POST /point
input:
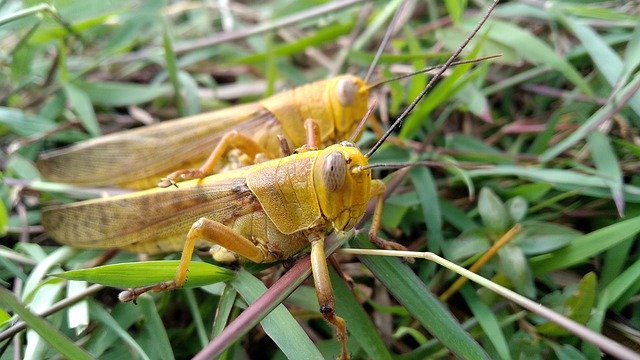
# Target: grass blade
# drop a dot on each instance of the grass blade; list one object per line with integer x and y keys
{"x": 61, "y": 343}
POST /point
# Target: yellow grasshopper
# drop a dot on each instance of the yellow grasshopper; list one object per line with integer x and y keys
{"x": 264, "y": 213}
{"x": 138, "y": 158}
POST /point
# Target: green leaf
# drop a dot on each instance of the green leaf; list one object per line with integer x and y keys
{"x": 172, "y": 69}
{"x": 600, "y": 116}
{"x": 487, "y": 320}
{"x": 539, "y": 237}
{"x": 577, "y": 307}
{"x": 534, "y": 50}
{"x": 428, "y": 193}
{"x": 50, "y": 334}
{"x": 81, "y": 103}
{"x": 113, "y": 93}
{"x": 514, "y": 266}
{"x": 608, "y": 167}
{"x": 517, "y": 208}
{"x": 138, "y": 274}
{"x": 411, "y": 292}
{"x": 492, "y": 211}
{"x": 4, "y": 219}
{"x": 358, "y": 322}
{"x": 603, "y": 56}
{"x": 586, "y": 246}
{"x": 153, "y": 326}
{"x": 281, "y": 327}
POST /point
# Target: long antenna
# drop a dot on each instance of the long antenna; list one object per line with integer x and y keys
{"x": 431, "y": 83}
{"x": 385, "y": 41}
{"x": 430, "y": 68}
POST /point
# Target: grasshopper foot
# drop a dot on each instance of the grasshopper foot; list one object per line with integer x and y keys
{"x": 180, "y": 175}
{"x": 132, "y": 295}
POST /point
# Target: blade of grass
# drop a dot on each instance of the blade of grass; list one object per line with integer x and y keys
{"x": 101, "y": 315}
{"x": 487, "y": 321}
{"x": 586, "y": 246}
{"x": 280, "y": 325}
{"x": 197, "y": 318}
{"x": 61, "y": 343}
{"x": 608, "y": 166}
{"x": 227, "y": 299}
{"x": 410, "y": 291}
{"x": 359, "y": 324}
{"x": 153, "y": 325}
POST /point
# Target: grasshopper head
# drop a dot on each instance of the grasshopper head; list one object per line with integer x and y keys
{"x": 348, "y": 98}
{"x": 342, "y": 193}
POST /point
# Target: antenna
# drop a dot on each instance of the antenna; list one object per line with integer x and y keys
{"x": 431, "y": 83}
{"x": 430, "y": 68}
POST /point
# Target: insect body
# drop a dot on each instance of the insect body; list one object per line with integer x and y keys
{"x": 263, "y": 213}
{"x": 139, "y": 158}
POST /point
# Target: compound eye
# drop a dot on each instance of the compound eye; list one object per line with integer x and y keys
{"x": 347, "y": 90}
{"x": 334, "y": 171}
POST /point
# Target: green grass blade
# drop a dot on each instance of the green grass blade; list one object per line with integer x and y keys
{"x": 280, "y": 325}
{"x": 153, "y": 325}
{"x": 138, "y": 274}
{"x": 61, "y": 343}
{"x": 487, "y": 321}
{"x": 608, "y": 166}
{"x": 411, "y": 292}
{"x": 227, "y": 299}
{"x": 586, "y": 246}
{"x": 101, "y": 315}
{"x": 426, "y": 189}
{"x": 115, "y": 93}
{"x": 360, "y": 327}
{"x": 81, "y": 103}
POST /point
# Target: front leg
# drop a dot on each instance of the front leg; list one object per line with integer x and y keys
{"x": 324, "y": 291}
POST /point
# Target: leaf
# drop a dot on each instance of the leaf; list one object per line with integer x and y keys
{"x": 586, "y": 246}
{"x": 492, "y": 211}
{"x": 50, "y": 334}
{"x": 539, "y": 237}
{"x": 577, "y": 307}
{"x": 281, "y": 327}
{"x": 517, "y": 208}
{"x": 428, "y": 193}
{"x": 514, "y": 266}
{"x": 138, "y": 274}
{"x": 603, "y": 56}
{"x": 81, "y": 103}
{"x": 608, "y": 167}
{"x": 112, "y": 93}
{"x": 533, "y": 49}
{"x": 358, "y": 322}
{"x": 488, "y": 321}
{"x": 410, "y": 291}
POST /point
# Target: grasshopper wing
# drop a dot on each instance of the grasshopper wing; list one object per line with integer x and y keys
{"x": 139, "y": 158}
{"x": 151, "y": 221}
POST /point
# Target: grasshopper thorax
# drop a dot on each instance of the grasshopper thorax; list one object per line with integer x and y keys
{"x": 343, "y": 193}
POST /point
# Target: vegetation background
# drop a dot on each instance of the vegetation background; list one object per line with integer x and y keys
{"x": 554, "y": 121}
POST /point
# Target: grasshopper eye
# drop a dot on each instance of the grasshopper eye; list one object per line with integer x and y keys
{"x": 347, "y": 90}
{"x": 334, "y": 171}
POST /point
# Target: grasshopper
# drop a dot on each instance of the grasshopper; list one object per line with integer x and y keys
{"x": 138, "y": 158}
{"x": 264, "y": 213}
